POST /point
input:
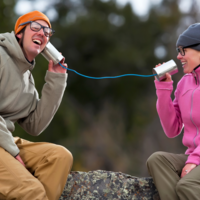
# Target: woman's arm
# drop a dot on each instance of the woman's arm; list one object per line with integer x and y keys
{"x": 168, "y": 110}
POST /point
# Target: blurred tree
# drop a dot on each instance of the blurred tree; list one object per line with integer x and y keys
{"x": 7, "y": 11}
{"x": 109, "y": 124}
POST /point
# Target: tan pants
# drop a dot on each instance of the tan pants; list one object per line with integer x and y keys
{"x": 166, "y": 168}
{"x": 45, "y": 175}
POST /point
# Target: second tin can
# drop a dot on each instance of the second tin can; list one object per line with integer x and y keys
{"x": 168, "y": 67}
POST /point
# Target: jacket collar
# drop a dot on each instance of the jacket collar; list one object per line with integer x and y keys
{"x": 197, "y": 70}
{"x": 197, "y": 67}
{"x": 11, "y": 45}
{"x": 196, "y": 74}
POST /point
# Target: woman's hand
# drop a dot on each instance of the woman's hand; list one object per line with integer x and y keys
{"x": 188, "y": 167}
{"x": 168, "y": 76}
{"x": 57, "y": 68}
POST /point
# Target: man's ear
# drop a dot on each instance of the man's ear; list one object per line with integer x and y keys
{"x": 19, "y": 35}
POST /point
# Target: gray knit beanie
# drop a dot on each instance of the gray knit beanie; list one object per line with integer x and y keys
{"x": 190, "y": 36}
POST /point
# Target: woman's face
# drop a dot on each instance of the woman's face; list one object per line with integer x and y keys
{"x": 190, "y": 60}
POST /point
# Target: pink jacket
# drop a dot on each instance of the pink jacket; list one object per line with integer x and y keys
{"x": 184, "y": 111}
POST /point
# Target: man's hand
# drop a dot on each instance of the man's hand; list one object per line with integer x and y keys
{"x": 20, "y": 160}
{"x": 188, "y": 167}
{"x": 57, "y": 68}
{"x": 168, "y": 76}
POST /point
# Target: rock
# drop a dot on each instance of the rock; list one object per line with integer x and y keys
{"x": 100, "y": 185}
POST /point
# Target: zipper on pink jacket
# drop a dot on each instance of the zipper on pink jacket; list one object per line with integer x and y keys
{"x": 195, "y": 76}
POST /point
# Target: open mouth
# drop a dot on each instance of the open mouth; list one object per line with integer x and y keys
{"x": 183, "y": 63}
{"x": 38, "y": 42}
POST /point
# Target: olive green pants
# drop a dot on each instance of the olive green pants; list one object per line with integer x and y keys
{"x": 45, "y": 175}
{"x": 165, "y": 169}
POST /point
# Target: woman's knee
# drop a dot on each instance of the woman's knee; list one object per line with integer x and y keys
{"x": 186, "y": 187}
{"x": 155, "y": 161}
{"x": 182, "y": 186}
{"x": 154, "y": 158}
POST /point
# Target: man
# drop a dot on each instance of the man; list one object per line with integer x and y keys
{"x": 29, "y": 171}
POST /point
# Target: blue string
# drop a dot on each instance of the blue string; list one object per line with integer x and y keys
{"x": 104, "y": 77}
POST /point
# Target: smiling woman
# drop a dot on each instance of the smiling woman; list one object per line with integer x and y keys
{"x": 181, "y": 177}
{"x": 190, "y": 59}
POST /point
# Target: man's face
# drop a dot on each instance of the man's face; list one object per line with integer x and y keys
{"x": 33, "y": 42}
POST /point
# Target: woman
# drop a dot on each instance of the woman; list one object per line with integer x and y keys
{"x": 177, "y": 176}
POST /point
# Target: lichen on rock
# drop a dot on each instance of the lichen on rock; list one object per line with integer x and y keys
{"x": 101, "y": 184}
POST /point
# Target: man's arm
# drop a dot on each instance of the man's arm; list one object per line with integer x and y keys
{"x": 47, "y": 106}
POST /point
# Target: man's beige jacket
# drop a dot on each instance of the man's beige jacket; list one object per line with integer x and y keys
{"x": 19, "y": 100}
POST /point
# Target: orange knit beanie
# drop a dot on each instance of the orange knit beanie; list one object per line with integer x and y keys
{"x": 31, "y": 16}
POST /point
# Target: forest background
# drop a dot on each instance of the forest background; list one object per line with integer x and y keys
{"x": 109, "y": 124}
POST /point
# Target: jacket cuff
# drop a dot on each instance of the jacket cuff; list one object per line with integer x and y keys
{"x": 161, "y": 85}
{"x": 14, "y": 152}
{"x": 59, "y": 76}
{"x": 193, "y": 159}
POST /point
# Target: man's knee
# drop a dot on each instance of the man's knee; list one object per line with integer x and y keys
{"x": 68, "y": 156}
{"x": 63, "y": 154}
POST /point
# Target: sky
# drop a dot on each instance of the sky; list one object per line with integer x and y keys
{"x": 140, "y": 7}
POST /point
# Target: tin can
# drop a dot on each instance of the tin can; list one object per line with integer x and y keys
{"x": 51, "y": 53}
{"x": 168, "y": 67}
